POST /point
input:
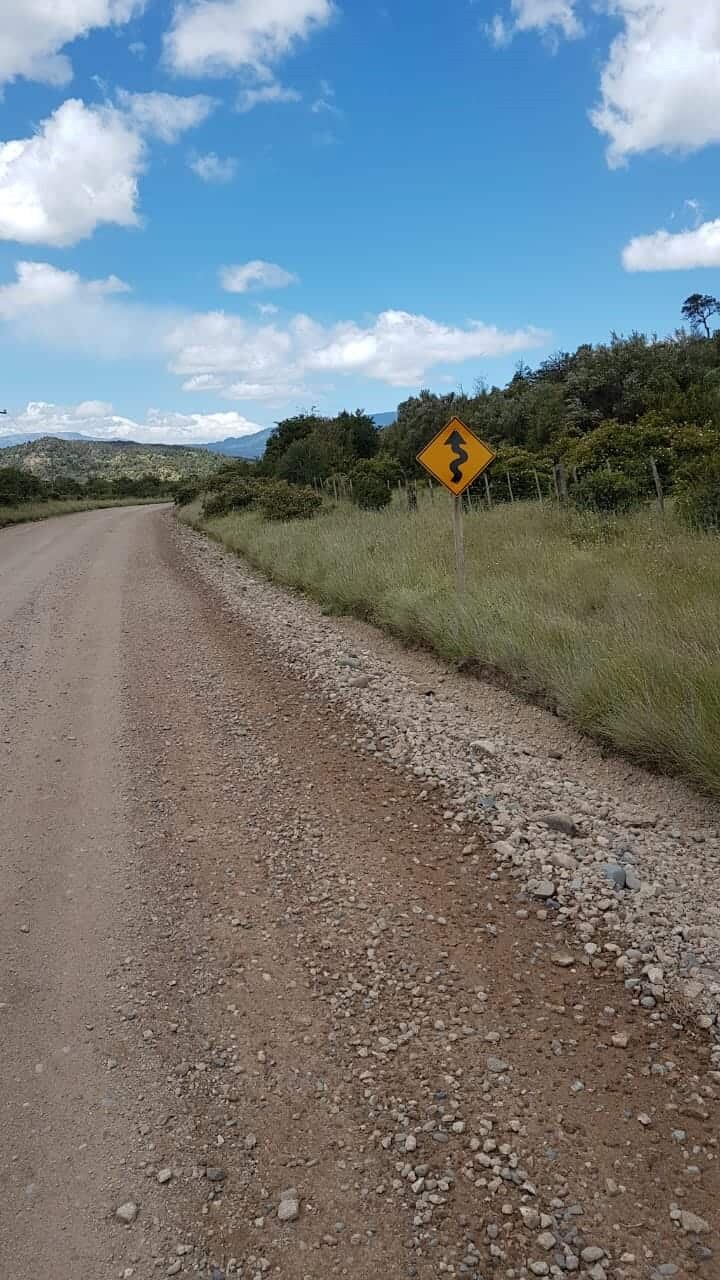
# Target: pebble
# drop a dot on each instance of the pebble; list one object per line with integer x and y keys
{"x": 289, "y": 1207}
{"x": 497, "y": 1065}
{"x": 164, "y": 1176}
{"x": 545, "y": 889}
{"x": 563, "y": 959}
{"x": 592, "y": 1254}
{"x": 692, "y": 1224}
{"x": 615, "y": 872}
{"x": 558, "y": 822}
{"x": 127, "y": 1212}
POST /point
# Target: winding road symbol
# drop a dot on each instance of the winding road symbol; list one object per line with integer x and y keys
{"x": 457, "y": 444}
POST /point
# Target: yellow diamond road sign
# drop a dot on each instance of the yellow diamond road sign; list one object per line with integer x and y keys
{"x": 455, "y": 456}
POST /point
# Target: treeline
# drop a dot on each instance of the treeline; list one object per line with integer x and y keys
{"x": 618, "y": 418}
{"x": 608, "y": 426}
{"x": 18, "y": 487}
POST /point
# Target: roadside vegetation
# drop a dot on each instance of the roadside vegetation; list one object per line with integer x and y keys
{"x": 612, "y": 621}
{"x": 24, "y": 497}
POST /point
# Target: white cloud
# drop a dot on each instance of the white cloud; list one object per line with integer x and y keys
{"x": 81, "y": 168}
{"x": 213, "y": 168}
{"x": 95, "y": 418}
{"x": 238, "y": 358}
{"x": 163, "y": 115}
{"x": 93, "y": 409}
{"x": 58, "y": 309}
{"x": 399, "y": 348}
{"x": 661, "y": 85}
{"x": 679, "y": 251}
{"x": 250, "y": 98}
{"x": 554, "y": 16}
{"x": 32, "y": 33}
{"x": 396, "y": 347}
{"x": 214, "y": 37}
{"x": 255, "y": 275}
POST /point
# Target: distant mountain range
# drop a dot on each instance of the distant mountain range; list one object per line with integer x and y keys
{"x": 241, "y": 446}
{"x": 41, "y": 458}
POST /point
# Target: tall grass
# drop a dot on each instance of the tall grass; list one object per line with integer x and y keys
{"x": 616, "y": 622}
{"x": 30, "y": 511}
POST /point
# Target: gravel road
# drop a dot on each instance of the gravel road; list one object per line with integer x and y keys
{"x": 272, "y": 1000}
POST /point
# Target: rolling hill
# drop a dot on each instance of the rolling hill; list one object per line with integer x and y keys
{"x": 49, "y": 458}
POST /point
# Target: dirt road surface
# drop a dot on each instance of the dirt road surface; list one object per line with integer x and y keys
{"x": 253, "y": 997}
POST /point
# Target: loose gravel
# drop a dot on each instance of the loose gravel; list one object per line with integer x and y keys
{"x": 631, "y": 860}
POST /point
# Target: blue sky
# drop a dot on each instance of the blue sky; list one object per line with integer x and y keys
{"x": 215, "y": 213}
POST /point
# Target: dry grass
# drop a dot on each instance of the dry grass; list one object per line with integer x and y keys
{"x": 615, "y": 622}
{"x": 30, "y": 511}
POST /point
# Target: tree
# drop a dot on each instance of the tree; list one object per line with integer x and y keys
{"x": 697, "y": 309}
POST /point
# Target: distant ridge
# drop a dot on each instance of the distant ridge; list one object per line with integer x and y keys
{"x": 249, "y": 447}
{"x": 52, "y": 457}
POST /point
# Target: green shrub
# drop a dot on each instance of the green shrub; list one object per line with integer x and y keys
{"x": 610, "y": 492}
{"x": 373, "y": 481}
{"x": 697, "y": 493}
{"x": 237, "y": 494}
{"x": 522, "y": 467}
{"x": 186, "y": 493}
{"x": 278, "y": 500}
{"x": 18, "y": 486}
{"x": 228, "y": 474}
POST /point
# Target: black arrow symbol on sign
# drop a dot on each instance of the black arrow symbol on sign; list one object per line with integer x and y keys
{"x": 457, "y": 444}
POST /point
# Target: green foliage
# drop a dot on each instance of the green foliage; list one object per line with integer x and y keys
{"x": 278, "y": 500}
{"x": 305, "y": 460}
{"x": 237, "y": 494}
{"x": 308, "y": 448}
{"x": 227, "y": 474}
{"x": 373, "y": 480}
{"x": 697, "y": 491}
{"x": 616, "y": 492}
{"x": 186, "y": 493}
{"x": 521, "y": 467}
{"x": 657, "y": 385}
{"x": 288, "y": 432}
{"x": 17, "y": 486}
{"x": 697, "y": 310}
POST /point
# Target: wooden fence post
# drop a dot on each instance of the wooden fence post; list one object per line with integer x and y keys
{"x": 537, "y": 486}
{"x": 658, "y": 485}
{"x": 487, "y": 490}
{"x": 509, "y": 485}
